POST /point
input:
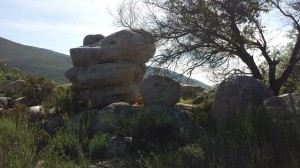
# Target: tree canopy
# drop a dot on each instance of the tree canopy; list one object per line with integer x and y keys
{"x": 216, "y": 32}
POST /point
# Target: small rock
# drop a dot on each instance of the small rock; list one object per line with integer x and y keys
{"x": 92, "y": 39}
{"x": 8, "y": 88}
{"x": 160, "y": 90}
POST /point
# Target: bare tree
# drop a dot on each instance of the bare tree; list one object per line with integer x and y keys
{"x": 214, "y": 32}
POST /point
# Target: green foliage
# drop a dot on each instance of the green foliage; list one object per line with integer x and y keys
{"x": 186, "y": 101}
{"x": 147, "y": 130}
{"x": 8, "y": 74}
{"x": 17, "y": 147}
{"x": 62, "y": 98}
{"x": 35, "y": 61}
{"x": 65, "y": 148}
{"x": 98, "y": 147}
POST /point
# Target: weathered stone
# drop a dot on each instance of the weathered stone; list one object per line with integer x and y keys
{"x": 284, "y": 114}
{"x": 92, "y": 39}
{"x": 109, "y": 115}
{"x": 36, "y": 110}
{"x": 199, "y": 99}
{"x": 236, "y": 95}
{"x": 159, "y": 90}
{"x": 121, "y": 46}
{"x": 8, "y": 88}
{"x": 185, "y": 129}
{"x": 188, "y": 91}
{"x": 100, "y": 75}
{"x": 20, "y": 100}
{"x": 54, "y": 123}
{"x": 101, "y": 97}
{"x": 6, "y": 102}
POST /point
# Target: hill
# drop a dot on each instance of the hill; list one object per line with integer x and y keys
{"x": 35, "y": 61}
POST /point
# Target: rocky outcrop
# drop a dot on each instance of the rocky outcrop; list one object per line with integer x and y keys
{"x": 160, "y": 90}
{"x": 110, "y": 69}
{"x": 236, "y": 95}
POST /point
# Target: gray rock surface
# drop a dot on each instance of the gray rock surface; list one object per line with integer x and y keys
{"x": 106, "y": 74}
{"x": 188, "y": 91}
{"x": 9, "y": 87}
{"x": 160, "y": 90}
{"x": 6, "y": 102}
{"x": 92, "y": 39}
{"x": 185, "y": 128}
{"x": 121, "y": 46}
{"x": 236, "y": 95}
{"x": 284, "y": 114}
{"x": 110, "y": 69}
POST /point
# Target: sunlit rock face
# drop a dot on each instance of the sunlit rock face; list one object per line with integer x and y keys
{"x": 110, "y": 69}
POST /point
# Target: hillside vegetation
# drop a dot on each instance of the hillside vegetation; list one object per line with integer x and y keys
{"x": 246, "y": 141}
{"x": 35, "y": 61}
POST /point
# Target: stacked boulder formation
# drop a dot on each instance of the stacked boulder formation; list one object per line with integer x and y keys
{"x": 110, "y": 69}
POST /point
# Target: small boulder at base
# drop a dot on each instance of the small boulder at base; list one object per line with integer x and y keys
{"x": 236, "y": 95}
{"x": 160, "y": 90}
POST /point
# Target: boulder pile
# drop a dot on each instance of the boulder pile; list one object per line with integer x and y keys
{"x": 110, "y": 69}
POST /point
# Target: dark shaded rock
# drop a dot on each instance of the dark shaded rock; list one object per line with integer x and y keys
{"x": 237, "y": 94}
{"x": 92, "y": 39}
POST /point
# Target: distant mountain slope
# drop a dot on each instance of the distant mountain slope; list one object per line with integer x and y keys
{"x": 176, "y": 76}
{"x": 35, "y": 61}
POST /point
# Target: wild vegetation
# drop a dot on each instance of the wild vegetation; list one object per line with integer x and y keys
{"x": 245, "y": 141}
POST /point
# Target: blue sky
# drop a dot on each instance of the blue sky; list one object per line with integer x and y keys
{"x": 55, "y": 24}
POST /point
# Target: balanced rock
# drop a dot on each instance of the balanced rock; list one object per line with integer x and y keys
{"x": 110, "y": 69}
{"x": 236, "y": 95}
{"x": 92, "y": 39}
{"x": 121, "y": 46}
{"x": 160, "y": 90}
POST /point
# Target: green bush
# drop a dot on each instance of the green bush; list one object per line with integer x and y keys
{"x": 64, "y": 148}
{"x": 62, "y": 98}
{"x": 98, "y": 147}
{"x": 148, "y": 130}
{"x": 17, "y": 145}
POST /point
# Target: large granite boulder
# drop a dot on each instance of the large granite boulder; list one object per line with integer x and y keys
{"x": 110, "y": 69}
{"x": 160, "y": 90}
{"x": 237, "y": 94}
{"x": 284, "y": 113}
{"x": 106, "y": 74}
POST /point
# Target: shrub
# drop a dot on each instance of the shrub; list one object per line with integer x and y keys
{"x": 148, "y": 130}
{"x": 62, "y": 98}
{"x": 98, "y": 147}
{"x": 17, "y": 147}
